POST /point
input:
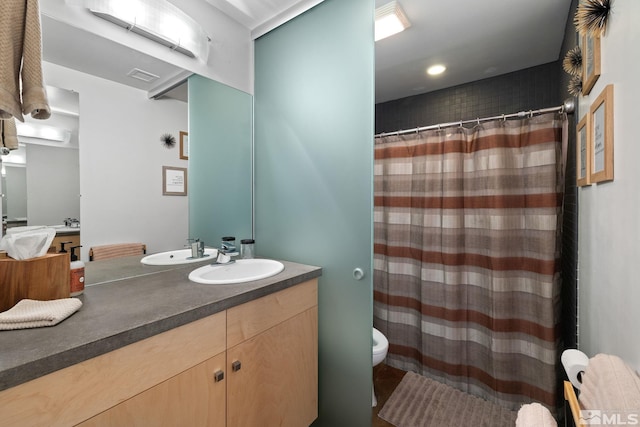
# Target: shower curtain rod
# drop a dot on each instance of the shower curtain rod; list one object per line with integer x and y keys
{"x": 567, "y": 107}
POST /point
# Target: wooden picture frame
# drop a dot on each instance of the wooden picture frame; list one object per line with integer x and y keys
{"x": 583, "y": 152}
{"x": 174, "y": 181}
{"x": 590, "y": 62}
{"x": 601, "y": 129}
{"x": 184, "y": 145}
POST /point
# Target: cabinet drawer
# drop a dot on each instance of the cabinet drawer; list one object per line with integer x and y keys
{"x": 250, "y": 319}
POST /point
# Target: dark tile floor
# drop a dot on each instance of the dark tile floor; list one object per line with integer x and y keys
{"x": 385, "y": 380}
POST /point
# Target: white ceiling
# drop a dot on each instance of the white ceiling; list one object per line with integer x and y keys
{"x": 474, "y": 39}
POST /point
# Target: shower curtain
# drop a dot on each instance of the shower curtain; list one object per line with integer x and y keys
{"x": 466, "y": 255}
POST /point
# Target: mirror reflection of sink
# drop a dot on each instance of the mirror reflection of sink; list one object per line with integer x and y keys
{"x": 240, "y": 271}
{"x": 179, "y": 256}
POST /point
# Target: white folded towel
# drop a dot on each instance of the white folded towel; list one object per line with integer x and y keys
{"x": 28, "y": 313}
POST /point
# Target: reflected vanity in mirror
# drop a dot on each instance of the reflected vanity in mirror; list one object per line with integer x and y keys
{"x": 123, "y": 119}
{"x": 41, "y": 179}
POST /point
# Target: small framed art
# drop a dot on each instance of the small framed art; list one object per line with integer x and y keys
{"x": 590, "y": 62}
{"x": 601, "y": 129}
{"x": 174, "y": 181}
{"x": 583, "y": 151}
{"x": 184, "y": 145}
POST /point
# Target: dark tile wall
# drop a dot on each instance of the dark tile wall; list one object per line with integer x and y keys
{"x": 529, "y": 89}
{"x": 569, "y": 293}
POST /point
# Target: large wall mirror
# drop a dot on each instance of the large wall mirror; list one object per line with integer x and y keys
{"x": 41, "y": 179}
{"x": 121, "y": 154}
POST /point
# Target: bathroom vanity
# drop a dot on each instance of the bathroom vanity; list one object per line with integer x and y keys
{"x": 157, "y": 349}
{"x": 69, "y": 235}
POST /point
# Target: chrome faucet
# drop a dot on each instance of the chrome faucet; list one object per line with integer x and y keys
{"x": 197, "y": 248}
{"x": 228, "y": 245}
{"x": 71, "y": 222}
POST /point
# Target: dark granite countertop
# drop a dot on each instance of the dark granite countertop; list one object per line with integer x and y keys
{"x": 127, "y": 302}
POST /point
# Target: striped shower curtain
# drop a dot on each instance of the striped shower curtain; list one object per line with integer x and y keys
{"x": 466, "y": 255}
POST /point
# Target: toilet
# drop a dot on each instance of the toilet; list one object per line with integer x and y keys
{"x": 380, "y": 347}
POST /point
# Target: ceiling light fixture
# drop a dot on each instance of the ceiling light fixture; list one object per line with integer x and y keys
{"x": 390, "y": 20}
{"x": 47, "y": 133}
{"x": 434, "y": 70}
{"x": 157, "y": 20}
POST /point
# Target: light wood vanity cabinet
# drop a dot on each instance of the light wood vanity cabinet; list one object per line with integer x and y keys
{"x": 266, "y": 349}
{"x": 272, "y": 360}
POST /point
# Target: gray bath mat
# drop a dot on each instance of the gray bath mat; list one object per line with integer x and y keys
{"x": 419, "y": 401}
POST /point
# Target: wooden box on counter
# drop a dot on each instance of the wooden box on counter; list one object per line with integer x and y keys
{"x": 43, "y": 278}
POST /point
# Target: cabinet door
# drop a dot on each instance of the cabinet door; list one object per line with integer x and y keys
{"x": 73, "y": 238}
{"x": 192, "y": 398}
{"x": 277, "y": 380}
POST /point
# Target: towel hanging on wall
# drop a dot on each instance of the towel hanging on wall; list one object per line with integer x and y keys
{"x": 21, "y": 61}
{"x": 8, "y": 134}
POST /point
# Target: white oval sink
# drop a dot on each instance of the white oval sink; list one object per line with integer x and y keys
{"x": 240, "y": 271}
{"x": 179, "y": 256}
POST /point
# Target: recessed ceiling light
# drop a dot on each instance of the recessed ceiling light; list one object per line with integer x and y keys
{"x": 434, "y": 70}
{"x": 390, "y": 20}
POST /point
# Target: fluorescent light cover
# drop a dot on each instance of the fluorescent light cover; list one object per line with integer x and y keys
{"x": 434, "y": 70}
{"x": 390, "y": 20}
{"x": 157, "y": 20}
{"x": 49, "y": 133}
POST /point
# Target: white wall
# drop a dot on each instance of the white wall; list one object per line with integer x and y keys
{"x": 121, "y": 159}
{"x": 53, "y": 187}
{"x": 609, "y": 213}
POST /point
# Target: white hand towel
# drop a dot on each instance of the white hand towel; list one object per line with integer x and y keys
{"x": 535, "y": 415}
{"x": 28, "y": 313}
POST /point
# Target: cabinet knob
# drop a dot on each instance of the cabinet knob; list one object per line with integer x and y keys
{"x": 235, "y": 366}
{"x": 218, "y": 376}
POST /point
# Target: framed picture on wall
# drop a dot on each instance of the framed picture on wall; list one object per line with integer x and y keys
{"x": 601, "y": 129}
{"x": 184, "y": 145}
{"x": 590, "y": 62}
{"x": 583, "y": 152}
{"x": 174, "y": 181}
